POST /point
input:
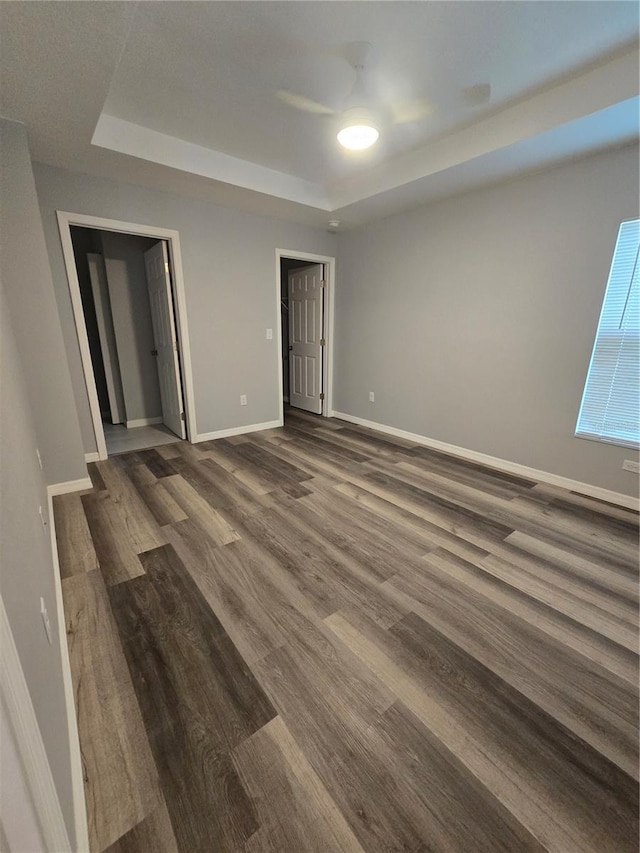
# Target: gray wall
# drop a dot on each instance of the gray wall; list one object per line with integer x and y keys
{"x": 229, "y": 267}
{"x": 36, "y": 411}
{"x": 473, "y": 319}
{"x": 129, "y": 297}
{"x": 34, "y": 312}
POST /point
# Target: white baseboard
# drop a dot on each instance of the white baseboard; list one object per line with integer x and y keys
{"x": 501, "y": 464}
{"x": 70, "y": 486}
{"x": 92, "y": 457}
{"x": 77, "y": 775}
{"x": 140, "y": 422}
{"x": 17, "y": 700}
{"x": 225, "y": 433}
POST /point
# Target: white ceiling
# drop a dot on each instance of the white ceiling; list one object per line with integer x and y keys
{"x": 182, "y": 95}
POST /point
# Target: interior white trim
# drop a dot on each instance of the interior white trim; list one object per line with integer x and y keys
{"x": 70, "y": 486}
{"x": 501, "y": 464}
{"x": 129, "y": 138}
{"x": 225, "y": 433}
{"x": 329, "y": 309}
{"x": 65, "y": 221}
{"x": 17, "y": 700}
{"x": 140, "y": 422}
{"x": 77, "y": 774}
{"x": 92, "y": 457}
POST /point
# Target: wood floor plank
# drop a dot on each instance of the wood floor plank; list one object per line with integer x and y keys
{"x": 217, "y": 486}
{"x": 154, "y": 833}
{"x": 116, "y": 550}
{"x": 597, "y": 706}
{"x": 96, "y": 477}
{"x": 367, "y": 445}
{"x": 528, "y": 600}
{"x": 298, "y": 555}
{"x": 466, "y": 471}
{"x": 465, "y": 524}
{"x": 432, "y": 535}
{"x": 198, "y": 701}
{"x": 120, "y": 779}
{"x": 363, "y": 523}
{"x": 236, "y": 598}
{"x": 351, "y": 573}
{"x": 294, "y": 809}
{"x": 164, "y": 508}
{"x": 335, "y": 726}
{"x": 335, "y": 639}
{"x": 169, "y": 451}
{"x": 608, "y": 616}
{"x": 548, "y": 779}
{"x": 76, "y": 552}
{"x": 604, "y": 508}
{"x": 157, "y": 464}
{"x": 268, "y": 462}
{"x": 524, "y": 514}
{"x": 228, "y": 456}
{"x": 462, "y": 813}
{"x": 283, "y": 447}
{"x": 141, "y": 525}
{"x": 199, "y": 511}
{"x": 314, "y": 442}
{"x": 378, "y": 553}
{"x": 140, "y": 475}
{"x": 596, "y": 573}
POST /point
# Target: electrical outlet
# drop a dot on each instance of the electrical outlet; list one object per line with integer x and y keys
{"x": 630, "y": 465}
{"x": 243, "y": 399}
{"x": 269, "y": 334}
{"x": 372, "y": 397}
{"x": 45, "y": 620}
{"x": 39, "y": 459}
{"x": 42, "y": 518}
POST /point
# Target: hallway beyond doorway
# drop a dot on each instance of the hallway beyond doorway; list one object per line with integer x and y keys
{"x": 122, "y": 440}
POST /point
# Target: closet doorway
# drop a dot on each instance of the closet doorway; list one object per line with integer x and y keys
{"x": 128, "y": 318}
{"x": 306, "y": 290}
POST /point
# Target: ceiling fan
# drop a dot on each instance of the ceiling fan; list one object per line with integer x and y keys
{"x": 361, "y": 116}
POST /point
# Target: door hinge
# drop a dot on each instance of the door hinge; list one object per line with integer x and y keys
{"x": 182, "y": 416}
{"x": 322, "y": 396}
{"x": 323, "y": 342}
{"x": 167, "y": 268}
{"x": 323, "y": 283}
{"x": 176, "y": 347}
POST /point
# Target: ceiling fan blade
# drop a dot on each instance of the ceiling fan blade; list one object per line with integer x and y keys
{"x": 299, "y": 102}
{"x": 407, "y": 112}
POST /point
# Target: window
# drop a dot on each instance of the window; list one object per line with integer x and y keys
{"x": 611, "y": 400}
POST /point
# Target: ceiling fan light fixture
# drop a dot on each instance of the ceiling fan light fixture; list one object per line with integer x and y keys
{"x": 358, "y": 129}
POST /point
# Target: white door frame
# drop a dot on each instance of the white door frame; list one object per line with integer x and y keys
{"x": 65, "y": 221}
{"x": 329, "y": 318}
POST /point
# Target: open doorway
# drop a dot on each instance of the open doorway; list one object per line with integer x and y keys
{"x": 131, "y": 330}
{"x": 131, "y": 333}
{"x": 306, "y": 325}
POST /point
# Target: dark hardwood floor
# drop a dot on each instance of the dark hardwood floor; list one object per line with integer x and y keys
{"x": 320, "y": 638}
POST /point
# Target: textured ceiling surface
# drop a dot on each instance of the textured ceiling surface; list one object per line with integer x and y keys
{"x": 184, "y": 95}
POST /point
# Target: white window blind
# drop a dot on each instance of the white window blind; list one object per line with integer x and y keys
{"x": 610, "y": 409}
